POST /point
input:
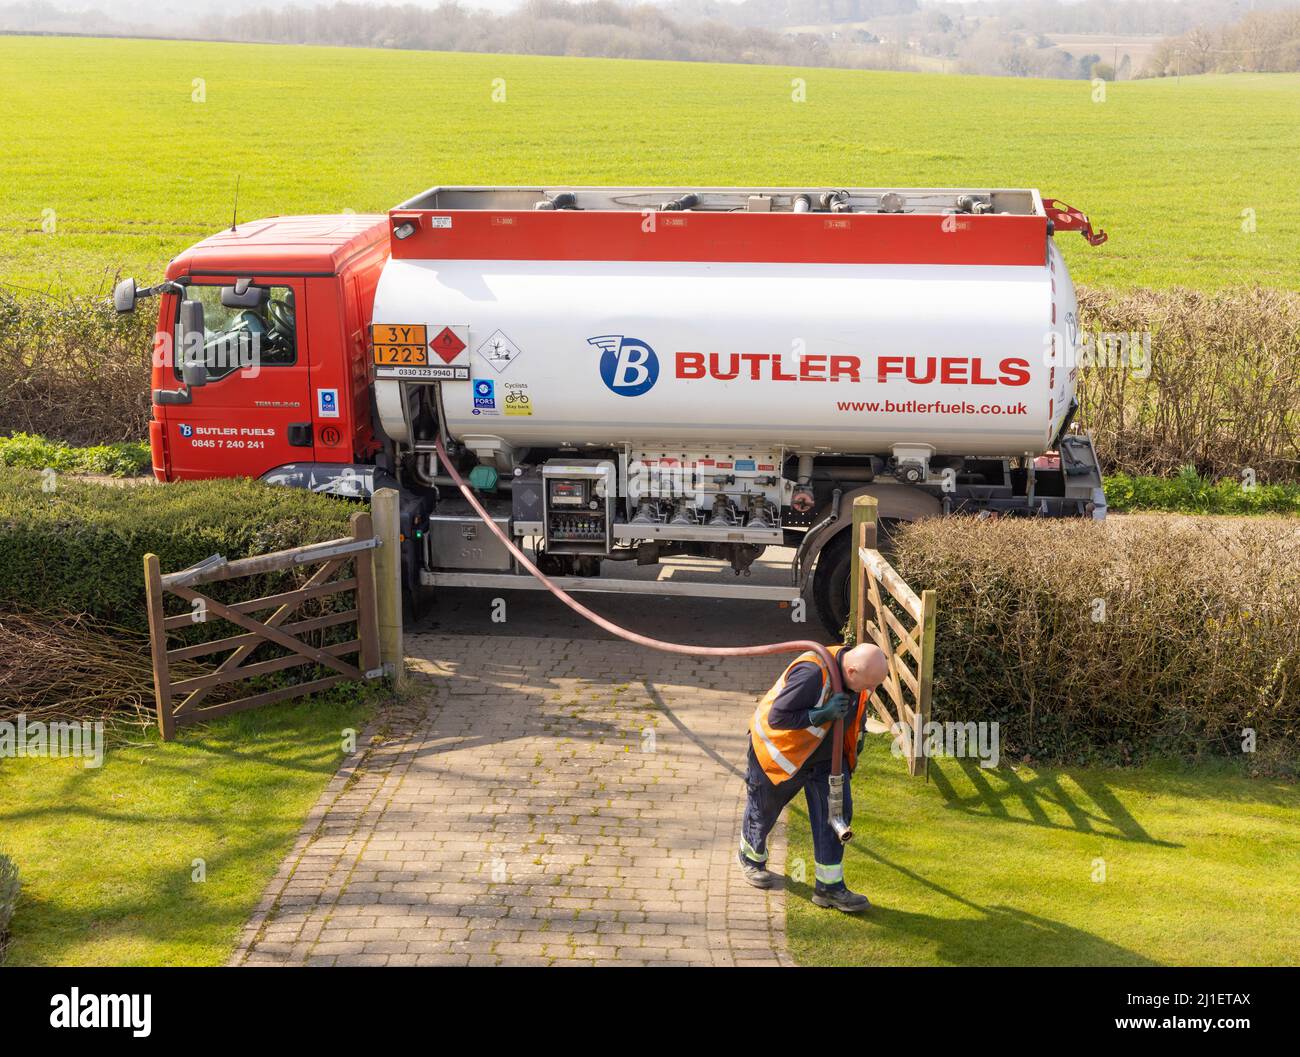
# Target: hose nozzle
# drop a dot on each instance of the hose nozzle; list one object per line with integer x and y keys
{"x": 836, "y": 804}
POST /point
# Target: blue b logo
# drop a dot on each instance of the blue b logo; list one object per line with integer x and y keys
{"x": 628, "y": 366}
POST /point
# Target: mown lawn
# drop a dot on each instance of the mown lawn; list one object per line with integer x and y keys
{"x": 120, "y": 153}
{"x": 997, "y": 868}
{"x": 107, "y": 856}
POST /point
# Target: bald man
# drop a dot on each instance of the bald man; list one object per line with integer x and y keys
{"x": 790, "y": 749}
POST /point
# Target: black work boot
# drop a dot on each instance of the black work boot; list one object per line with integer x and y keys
{"x": 839, "y": 897}
{"x": 756, "y": 873}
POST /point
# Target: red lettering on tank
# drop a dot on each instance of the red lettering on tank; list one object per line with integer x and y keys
{"x": 848, "y": 368}
{"x": 915, "y": 370}
{"x": 1015, "y": 371}
{"x": 717, "y": 372}
{"x": 807, "y": 364}
{"x": 952, "y": 370}
{"x": 915, "y": 376}
{"x": 690, "y": 365}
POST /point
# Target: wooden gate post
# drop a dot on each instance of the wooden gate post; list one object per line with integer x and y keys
{"x": 386, "y": 510}
{"x": 925, "y": 689}
{"x": 367, "y": 606}
{"x": 863, "y": 534}
{"x": 162, "y": 687}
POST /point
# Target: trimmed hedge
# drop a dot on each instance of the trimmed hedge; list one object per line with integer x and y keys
{"x": 1196, "y": 642}
{"x": 79, "y": 548}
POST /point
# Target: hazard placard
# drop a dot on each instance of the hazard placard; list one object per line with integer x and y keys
{"x": 448, "y": 343}
{"x": 399, "y": 344}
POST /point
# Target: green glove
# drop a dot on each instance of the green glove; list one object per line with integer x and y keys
{"x": 836, "y": 707}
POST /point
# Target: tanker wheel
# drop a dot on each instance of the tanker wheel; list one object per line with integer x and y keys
{"x": 830, "y": 586}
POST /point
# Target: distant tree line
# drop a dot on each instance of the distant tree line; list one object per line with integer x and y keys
{"x": 1261, "y": 42}
{"x": 1009, "y": 38}
{"x": 1110, "y": 17}
{"x": 37, "y": 16}
{"x": 986, "y": 46}
{"x": 542, "y": 27}
{"x": 1016, "y": 38}
{"x": 776, "y": 14}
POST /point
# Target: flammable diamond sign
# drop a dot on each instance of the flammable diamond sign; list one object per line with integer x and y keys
{"x": 447, "y": 344}
{"x": 499, "y": 350}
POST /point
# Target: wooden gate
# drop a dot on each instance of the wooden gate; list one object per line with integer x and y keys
{"x": 193, "y": 690}
{"x": 884, "y": 610}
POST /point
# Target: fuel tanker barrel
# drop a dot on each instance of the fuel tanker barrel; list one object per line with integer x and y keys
{"x": 851, "y": 333}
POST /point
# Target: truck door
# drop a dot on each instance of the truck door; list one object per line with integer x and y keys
{"x": 255, "y": 412}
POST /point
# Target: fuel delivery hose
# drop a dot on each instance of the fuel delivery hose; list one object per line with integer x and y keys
{"x": 836, "y": 805}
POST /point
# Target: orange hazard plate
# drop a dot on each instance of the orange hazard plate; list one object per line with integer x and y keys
{"x": 400, "y": 345}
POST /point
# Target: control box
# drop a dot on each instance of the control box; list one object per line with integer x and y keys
{"x": 578, "y": 506}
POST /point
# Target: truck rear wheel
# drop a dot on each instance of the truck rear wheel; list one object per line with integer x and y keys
{"x": 830, "y": 586}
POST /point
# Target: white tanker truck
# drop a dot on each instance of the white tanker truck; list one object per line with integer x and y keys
{"x": 629, "y": 374}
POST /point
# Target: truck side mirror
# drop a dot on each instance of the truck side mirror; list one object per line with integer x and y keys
{"x": 191, "y": 339}
{"x": 124, "y": 296}
{"x": 244, "y": 295}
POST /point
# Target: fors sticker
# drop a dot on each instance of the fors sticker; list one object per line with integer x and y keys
{"x": 327, "y": 403}
{"x": 485, "y": 397}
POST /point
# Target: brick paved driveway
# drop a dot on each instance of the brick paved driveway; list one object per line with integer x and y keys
{"x": 546, "y": 801}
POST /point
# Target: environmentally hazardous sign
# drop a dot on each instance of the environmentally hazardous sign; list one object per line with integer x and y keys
{"x": 499, "y": 350}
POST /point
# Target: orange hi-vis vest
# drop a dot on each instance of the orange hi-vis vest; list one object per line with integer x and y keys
{"x": 782, "y": 752}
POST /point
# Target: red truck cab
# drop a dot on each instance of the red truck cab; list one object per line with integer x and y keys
{"x": 287, "y": 380}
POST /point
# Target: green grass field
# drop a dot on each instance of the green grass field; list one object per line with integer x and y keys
{"x": 106, "y": 136}
{"x": 1158, "y": 865}
{"x": 107, "y": 854}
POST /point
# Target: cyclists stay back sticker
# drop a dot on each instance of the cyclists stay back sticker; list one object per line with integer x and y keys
{"x": 516, "y": 400}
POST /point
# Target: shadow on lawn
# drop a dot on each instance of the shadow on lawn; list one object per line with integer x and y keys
{"x": 1000, "y": 935}
{"x": 1107, "y": 816}
{"x": 155, "y": 914}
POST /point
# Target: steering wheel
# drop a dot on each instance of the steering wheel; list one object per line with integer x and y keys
{"x": 280, "y": 313}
